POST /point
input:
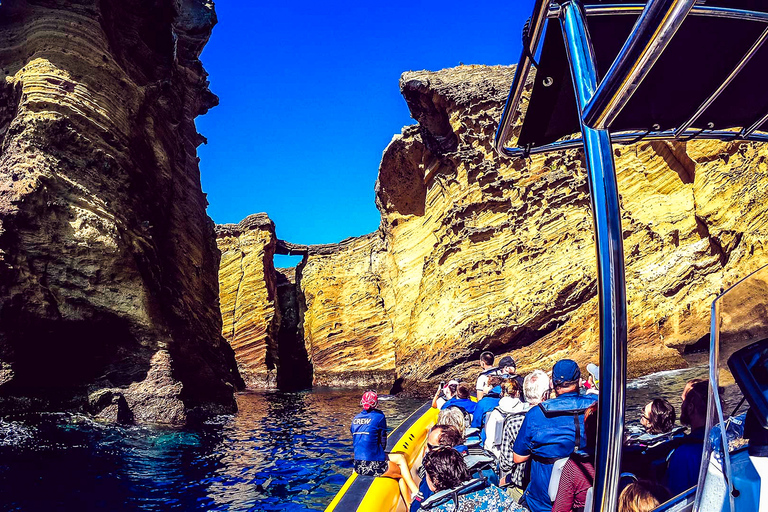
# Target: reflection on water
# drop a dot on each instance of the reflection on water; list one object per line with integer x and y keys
{"x": 281, "y": 451}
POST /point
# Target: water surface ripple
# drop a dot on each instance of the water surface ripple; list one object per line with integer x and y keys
{"x": 281, "y": 451}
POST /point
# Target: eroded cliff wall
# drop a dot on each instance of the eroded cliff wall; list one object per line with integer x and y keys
{"x": 108, "y": 283}
{"x": 480, "y": 252}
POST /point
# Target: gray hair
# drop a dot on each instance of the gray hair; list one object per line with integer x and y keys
{"x": 451, "y": 416}
{"x": 535, "y": 385}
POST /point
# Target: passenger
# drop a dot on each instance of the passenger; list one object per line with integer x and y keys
{"x": 444, "y": 393}
{"x": 683, "y": 470}
{"x": 490, "y": 400}
{"x": 579, "y": 472}
{"x": 535, "y": 387}
{"x": 461, "y": 400}
{"x": 486, "y": 363}
{"x": 642, "y": 496}
{"x": 369, "y": 442}
{"x": 439, "y": 435}
{"x": 688, "y": 386}
{"x": 452, "y": 416}
{"x": 593, "y": 379}
{"x": 658, "y": 416}
{"x": 645, "y": 455}
{"x": 446, "y": 470}
{"x": 509, "y": 403}
{"x": 551, "y": 431}
{"x": 508, "y": 368}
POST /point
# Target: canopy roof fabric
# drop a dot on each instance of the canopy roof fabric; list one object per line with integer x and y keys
{"x": 701, "y": 55}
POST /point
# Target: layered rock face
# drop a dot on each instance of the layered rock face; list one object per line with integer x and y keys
{"x": 478, "y": 252}
{"x": 108, "y": 285}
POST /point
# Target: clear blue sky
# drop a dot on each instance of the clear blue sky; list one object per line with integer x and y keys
{"x": 309, "y": 99}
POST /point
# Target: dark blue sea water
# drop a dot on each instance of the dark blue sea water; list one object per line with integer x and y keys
{"x": 281, "y": 451}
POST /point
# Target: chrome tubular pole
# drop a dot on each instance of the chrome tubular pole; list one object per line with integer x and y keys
{"x": 650, "y": 36}
{"x": 540, "y": 10}
{"x": 743, "y": 62}
{"x": 606, "y": 215}
{"x": 747, "y": 132}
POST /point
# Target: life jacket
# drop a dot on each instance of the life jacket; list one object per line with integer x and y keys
{"x": 572, "y": 405}
{"x": 446, "y": 495}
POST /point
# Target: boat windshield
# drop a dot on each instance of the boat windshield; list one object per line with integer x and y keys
{"x": 739, "y": 319}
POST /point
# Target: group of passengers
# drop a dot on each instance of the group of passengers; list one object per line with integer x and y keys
{"x": 529, "y": 444}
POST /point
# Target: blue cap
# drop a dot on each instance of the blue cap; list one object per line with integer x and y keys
{"x": 565, "y": 370}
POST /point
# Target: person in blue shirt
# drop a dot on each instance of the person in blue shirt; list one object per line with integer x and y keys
{"x": 490, "y": 400}
{"x": 369, "y": 442}
{"x": 461, "y": 399}
{"x": 552, "y": 430}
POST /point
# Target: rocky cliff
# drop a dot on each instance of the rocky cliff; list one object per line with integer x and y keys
{"x": 108, "y": 284}
{"x": 480, "y": 252}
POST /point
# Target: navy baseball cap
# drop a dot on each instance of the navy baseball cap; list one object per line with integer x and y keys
{"x": 565, "y": 370}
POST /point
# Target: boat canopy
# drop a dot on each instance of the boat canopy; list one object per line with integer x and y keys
{"x": 706, "y": 82}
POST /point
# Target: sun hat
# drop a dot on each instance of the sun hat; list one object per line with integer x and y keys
{"x": 565, "y": 370}
{"x": 594, "y": 371}
{"x": 370, "y": 400}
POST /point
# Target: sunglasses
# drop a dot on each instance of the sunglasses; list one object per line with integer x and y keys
{"x": 431, "y": 447}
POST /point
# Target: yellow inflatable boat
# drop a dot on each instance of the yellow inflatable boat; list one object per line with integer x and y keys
{"x": 366, "y": 493}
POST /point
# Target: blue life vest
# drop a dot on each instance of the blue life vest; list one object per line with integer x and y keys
{"x": 463, "y": 403}
{"x": 549, "y": 433}
{"x": 369, "y": 435}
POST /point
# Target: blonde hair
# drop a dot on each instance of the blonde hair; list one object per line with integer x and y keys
{"x": 452, "y": 416}
{"x": 642, "y": 496}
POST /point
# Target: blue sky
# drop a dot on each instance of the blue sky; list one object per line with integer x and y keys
{"x": 309, "y": 99}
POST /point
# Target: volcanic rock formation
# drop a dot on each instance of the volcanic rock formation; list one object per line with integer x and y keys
{"x": 480, "y": 252}
{"x": 108, "y": 284}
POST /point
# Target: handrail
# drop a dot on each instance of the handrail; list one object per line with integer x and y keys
{"x": 698, "y": 10}
{"x": 631, "y": 137}
{"x": 650, "y": 36}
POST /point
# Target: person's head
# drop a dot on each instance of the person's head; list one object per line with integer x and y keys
{"x": 565, "y": 376}
{"x": 511, "y": 388}
{"x": 451, "y": 416}
{"x": 593, "y": 374}
{"x": 493, "y": 381}
{"x": 445, "y": 469}
{"x": 486, "y": 360}
{"x": 443, "y": 435}
{"x": 462, "y": 391}
{"x": 590, "y": 425}
{"x": 508, "y": 365}
{"x": 693, "y": 412}
{"x": 658, "y": 416}
{"x": 688, "y": 386}
{"x": 642, "y": 496}
{"x": 370, "y": 400}
{"x": 450, "y": 389}
{"x": 535, "y": 387}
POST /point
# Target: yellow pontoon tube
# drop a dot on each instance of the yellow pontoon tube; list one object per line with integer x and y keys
{"x": 366, "y": 493}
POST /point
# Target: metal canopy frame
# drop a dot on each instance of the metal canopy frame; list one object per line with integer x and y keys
{"x": 599, "y": 103}
{"x": 658, "y": 21}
